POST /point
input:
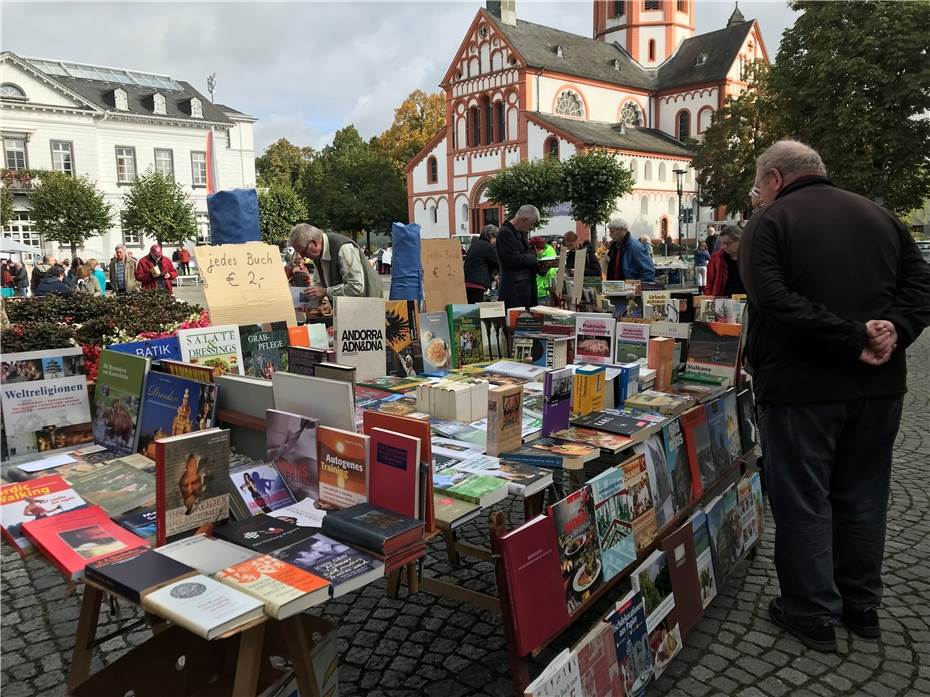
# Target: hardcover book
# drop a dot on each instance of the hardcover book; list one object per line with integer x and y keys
{"x": 579, "y": 552}
{"x": 359, "y": 335}
{"x": 215, "y": 347}
{"x": 203, "y": 606}
{"x": 631, "y": 640}
{"x": 73, "y": 539}
{"x": 653, "y": 581}
{"x": 748, "y": 433}
{"x": 262, "y": 533}
{"x": 704, "y": 557}
{"x": 346, "y": 569}
{"x": 302, "y": 360}
{"x": 343, "y": 466}
{"x": 44, "y": 400}
{"x": 505, "y": 418}
{"x": 629, "y": 307}
{"x": 292, "y": 447}
{"x": 588, "y": 390}
{"x": 715, "y": 350}
{"x": 632, "y": 342}
{"x": 133, "y": 573}
{"x": 191, "y": 472}
{"x": 594, "y": 338}
{"x": 700, "y": 452}
{"x": 264, "y": 348}
{"x": 331, "y": 402}
{"x": 118, "y": 399}
{"x": 639, "y": 497}
{"x": 495, "y": 341}
{"x": 395, "y": 472}
{"x": 685, "y": 488}
{"x": 257, "y": 487}
{"x": 173, "y": 406}
{"x": 334, "y": 371}
{"x": 613, "y": 521}
{"x": 597, "y": 663}
{"x": 435, "y": 343}
{"x": 206, "y": 554}
{"x": 534, "y": 582}
{"x": 373, "y": 528}
{"x": 116, "y": 487}
{"x": 402, "y": 334}
{"x": 731, "y": 413}
{"x": 717, "y": 430}
{"x": 660, "y": 482}
{"x": 522, "y": 480}
{"x": 166, "y": 348}
{"x": 200, "y": 373}
{"x": 465, "y": 327}
{"x": 453, "y": 513}
{"x": 725, "y": 532}
{"x": 678, "y": 547}
{"x": 141, "y": 522}
{"x": 35, "y": 499}
{"x": 284, "y": 588}
{"x": 481, "y": 489}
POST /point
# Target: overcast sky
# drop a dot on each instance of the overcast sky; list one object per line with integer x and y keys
{"x": 303, "y": 69}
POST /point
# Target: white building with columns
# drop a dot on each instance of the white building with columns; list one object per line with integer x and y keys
{"x": 641, "y": 87}
{"x": 112, "y": 125}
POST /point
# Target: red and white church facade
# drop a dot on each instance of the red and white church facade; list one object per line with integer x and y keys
{"x": 641, "y": 88}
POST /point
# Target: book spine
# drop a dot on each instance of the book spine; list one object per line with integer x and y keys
{"x": 353, "y": 534}
{"x": 91, "y": 574}
{"x": 547, "y": 461}
{"x": 160, "y": 494}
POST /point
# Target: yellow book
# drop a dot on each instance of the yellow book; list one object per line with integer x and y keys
{"x": 589, "y": 390}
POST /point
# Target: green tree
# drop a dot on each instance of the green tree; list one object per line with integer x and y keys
{"x": 739, "y": 132}
{"x": 416, "y": 120}
{"x": 536, "y": 182}
{"x": 68, "y": 210}
{"x": 279, "y": 209}
{"x": 593, "y": 180}
{"x": 283, "y": 161}
{"x": 6, "y": 206}
{"x": 157, "y": 206}
{"x": 852, "y": 79}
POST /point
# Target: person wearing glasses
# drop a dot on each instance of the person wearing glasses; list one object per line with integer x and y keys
{"x": 837, "y": 290}
{"x": 340, "y": 265}
{"x": 519, "y": 263}
{"x": 723, "y": 278}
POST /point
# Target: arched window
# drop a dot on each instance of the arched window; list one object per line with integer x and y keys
{"x": 662, "y": 172}
{"x": 684, "y": 124}
{"x": 432, "y": 170}
{"x": 705, "y": 116}
{"x": 631, "y": 114}
{"x": 8, "y": 89}
{"x": 474, "y": 127}
{"x": 433, "y": 214}
{"x": 647, "y": 170}
{"x": 196, "y": 108}
{"x": 644, "y": 206}
{"x": 487, "y": 114}
{"x": 569, "y": 103}
{"x": 652, "y": 50}
{"x": 634, "y": 170}
{"x": 551, "y": 148}
{"x": 671, "y": 205}
{"x": 500, "y": 125}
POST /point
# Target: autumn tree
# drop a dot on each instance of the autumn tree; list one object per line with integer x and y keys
{"x": 593, "y": 180}
{"x": 282, "y": 161}
{"x": 535, "y": 182}
{"x": 68, "y": 210}
{"x": 279, "y": 209}
{"x": 416, "y": 120}
{"x": 157, "y": 206}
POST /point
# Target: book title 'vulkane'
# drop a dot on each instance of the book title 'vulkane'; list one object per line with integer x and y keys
{"x": 357, "y": 340}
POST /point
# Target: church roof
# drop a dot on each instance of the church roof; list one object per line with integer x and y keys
{"x": 736, "y": 17}
{"x": 608, "y": 135}
{"x": 719, "y": 48}
{"x": 581, "y": 55}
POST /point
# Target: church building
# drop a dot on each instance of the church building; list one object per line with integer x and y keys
{"x": 642, "y": 87}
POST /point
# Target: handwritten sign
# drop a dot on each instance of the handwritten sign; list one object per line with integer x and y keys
{"x": 443, "y": 273}
{"x": 244, "y": 284}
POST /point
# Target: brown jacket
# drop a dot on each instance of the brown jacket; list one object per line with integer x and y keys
{"x": 131, "y": 282}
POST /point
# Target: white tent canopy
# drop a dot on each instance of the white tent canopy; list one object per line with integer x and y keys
{"x": 10, "y": 246}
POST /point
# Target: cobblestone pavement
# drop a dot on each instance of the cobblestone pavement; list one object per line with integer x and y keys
{"x": 425, "y": 645}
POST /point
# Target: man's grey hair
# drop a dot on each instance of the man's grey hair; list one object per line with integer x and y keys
{"x": 489, "y": 231}
{"x": 792, "y": 158}
{"x": 733, "y": 231}
{"x": 119, "y": 247}
{"x": 528, "y": 211}
{"x": 302, "y": 234}
{"x": 618, "y": 224}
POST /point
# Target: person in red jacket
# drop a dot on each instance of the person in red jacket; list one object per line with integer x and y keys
{"x": 155, "y": 271}
{"x": 723, "y": 279}
{"x": 184, "y": 260}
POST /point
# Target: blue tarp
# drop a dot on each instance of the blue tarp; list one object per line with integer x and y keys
{"x": 233, "y": 216}
{"x": 406, "y": 267}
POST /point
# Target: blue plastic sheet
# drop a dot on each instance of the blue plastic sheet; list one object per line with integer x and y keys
{"x": 406, "y": 267}
{"x": 233, "y": 216}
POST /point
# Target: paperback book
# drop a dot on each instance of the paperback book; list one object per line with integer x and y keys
{"x": 332, "y": 403}
{"x": 359, "y": 335}
{"x": 505, "y": 419}
{"x": 173, "y": 406}
{"x": 594, "y": 338}
{"x": 748, "y": 516}
{"x": 303, "y": 513}
{"x": 343, "y": 467}
{"x": 453, "y": 513}
{"x": 118, "y": 400}
{"x": 748, "y": 432}
{"x": 597, "y": 663}
{"x": 284, "y": 588}
{"x": 402, "y": 333}
{"x": 639, "y": 497}
{"x": 560, "y": 678}
{"x": 522, "y": 480}
{"x": 553, "y": 454}
{"x": 206, "y": 554}
{"x": 345, "y": 568}
{"x": 264, "y": 348}
{"x": 166, "y": 348}
{"x": 613, "y": 521}
{"x": 292, "y": 447}
{"x": 594, "y": 439}
{"x": 257, "y": 488}
{"x": 703, "y": 555}
{"x": 215, "y": 347}
{"x": 579, "y": 552}
{"x": 619, "y": 422}
{"x": 631, "y": 640}
{"x": 465, "y": 327}
{"x": 495, "y": 342}
{"x": 588, "y": 390}
{"x": 435, "y": 343}
{"x": 632, "y": 342}
{"x": 34, "y": 499}
{"x": 662, "y": 402}
{"x": 660, "y": 481}
{"x": 655, "y": 304}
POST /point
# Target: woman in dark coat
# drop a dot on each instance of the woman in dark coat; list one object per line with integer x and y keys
{"x": 481, "y": 264}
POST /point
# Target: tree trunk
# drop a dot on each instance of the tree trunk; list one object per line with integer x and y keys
{"x": 73, "y": 251}
{"x": 593, "y": 236}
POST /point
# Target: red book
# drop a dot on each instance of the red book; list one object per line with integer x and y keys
{"x": 394, "y": 481}
{"x": 682, "y": 566}
{"x": 73, "y": 539}
{"x": 534, "y": 581}
{"x": 697, "y": 443}
{"x": 298, "y": 336}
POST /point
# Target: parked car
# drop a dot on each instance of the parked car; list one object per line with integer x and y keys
{"x": 924, "y": 246}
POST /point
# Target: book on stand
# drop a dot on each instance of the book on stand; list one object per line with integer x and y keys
{"x": 557, "y": 400}
{"x": 594, "y": 338}
{"x": 715, "y": 350}
{"x": 597, "y": 663}
{"x": 653, "y": 581}
{"x": 359, "y": 335}
{"x": 731, "y": 414}
{"x": 700, "y": 452}
{"x": 343, "y": 466}
{"x": 639, "y": 498}
{"x": 560, "y": 678}
{"x": 678, "y": 547}
{"x": 331, "y": 402}
{"x": 717, "y": 431}
{"x": 613, "y": 521}
{"x": 703, "y": 555}
{"x": 632, "y": 342}
{"x": 218, "y": 348}
{"x": 191, "y": 371}
{"x": 748, "y": 432}
{"x": 292, "y": 448}
{"x": 403, "y": 351}
{"x": 660, "y": 481}
{"x": 257, "y": 487}
{"x": 334, "y": 371}
{"x": 679, "y": 469}
{"x": 631, "y": 641}
{"x": 725, "y": 532}
{"x": 395, "y": 472}
{"x": 118, "y": 400}
{"x": 495, "y": 341}
{"x": 579, "y": 552}
{"x": 264, "y": 348}
{"x": 174, "y": 406}
{"x": 465, "y": 328}
{"x": 435, "y": 343}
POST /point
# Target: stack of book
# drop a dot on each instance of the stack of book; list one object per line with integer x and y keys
{"x": 455, "y": 400}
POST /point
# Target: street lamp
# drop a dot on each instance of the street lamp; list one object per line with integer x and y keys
{"x": 679, "y": 173}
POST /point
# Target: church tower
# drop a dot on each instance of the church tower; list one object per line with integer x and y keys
{"x": 649, "y": 30}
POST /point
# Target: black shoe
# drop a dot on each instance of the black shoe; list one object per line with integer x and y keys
{"x": 820, "y": 638}
{"x": 863, "y": 623}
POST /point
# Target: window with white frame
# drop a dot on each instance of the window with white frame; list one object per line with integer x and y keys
{"x": 130, "y": 239}
{"x": 196, "y": 108}
{"x": 647, "y": 170}
{"x": 121, "y": 99}
{"x": 199, "y": 168}
{"x": 125, "y": 164}
{"x": 14, "y": 151}
{"x": 228, "y": 138}
{"x": 662, "y": 172}
{"x": 63, "y": 157}
{"x": 8, "y": 89}
{"x": 631, "y": 114}
{"x": 164, "y": 161}
{"x": 21, "y": 228}
{"x": 158, "y": 103}
{"x": 203, "y": 228}
{"x": 569, "y": 103}
{"x": 644, "y": 206}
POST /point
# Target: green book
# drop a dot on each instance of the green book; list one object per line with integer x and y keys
{"x": 465, "y": 325}
{"x": 116, "y": 486}
{"x": 477, "y": 488}
{"x": 118, "y": 399}
{"x": 703, "y": 378}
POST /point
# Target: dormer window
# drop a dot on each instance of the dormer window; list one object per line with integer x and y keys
{"x": 558, "y": 51}
{"x": 120, "y": 99}
{"x": 8, "y": 89}
{"x": 158, "y": 103}
{"x": 701, "y": 59}
{"x": 196, "y": 108}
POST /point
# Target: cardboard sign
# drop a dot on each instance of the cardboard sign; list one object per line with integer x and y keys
{"x": 443, "y": 273}
{"x": 560, "y": 273}
{"x": 244, "y": 284}
{"x": 578, "y": 275}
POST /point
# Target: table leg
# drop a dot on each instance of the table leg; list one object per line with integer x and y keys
{"x": 452, "y": 553}
{"x": 249, "y": 661}
{"x": 413, "y": 578}
{"x": 86, "y": 631}
{"x": 299, "y": 647}
{"x": 393, "y": 582}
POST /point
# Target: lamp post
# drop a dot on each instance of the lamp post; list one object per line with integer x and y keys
{"x": 679, "y": 173}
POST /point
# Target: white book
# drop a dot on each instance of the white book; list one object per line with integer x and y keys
{"x": 203, "y": 606}
{"x": 216, "y": 347}
{"x": 304, "y": 514}
{"x": 206, "y": 554}
{"x": 330, "y": 401}
{"x": 359, "y": 335}
{"x": 514, "y": 369}
{"x": 561, "y": 678}
{"x": 594, "y": 337}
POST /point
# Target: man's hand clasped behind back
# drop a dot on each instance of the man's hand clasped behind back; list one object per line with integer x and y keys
{"x": 882, "y": 341}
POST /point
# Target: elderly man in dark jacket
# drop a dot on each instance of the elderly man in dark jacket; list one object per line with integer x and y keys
{"x": 837, "y": 291}
{"x": 52, "y": 283}
{"x": 519, "y": 263}
{"x": 481, "y": 264}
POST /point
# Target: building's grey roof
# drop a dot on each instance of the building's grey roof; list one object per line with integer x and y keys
{"x": 720, "y": 49}
{"x": 609, "y": 135}
{"x": 581, "y": 55}
{"x": 229, "y": 110}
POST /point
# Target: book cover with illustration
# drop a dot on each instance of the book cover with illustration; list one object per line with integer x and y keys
{"x": 284, "y": 588}
{"x": 700, "y": 451}
{"x": 629, "y": 307}
{"x": 495, "y": 341}
{"x": 344, "y": 567}
{"x": 717, "y": 430}
{"x": 264, "y": 348}
{"x": 653, "y": 580}
{"x": 639, "y": 497}
{"x": 191, "y": 474}
{"x": 173, "y": 406}
{"x": 200, "y": 373}
{"x": 631, "y": 640}
{"x": 465, "y": 327}
{"x": 165, "y": 348}
{"x": 660, "y": 480}
{"x": 342, "y": 458}
{"x": 655, "y": 305}
{"x": 116, "y": 486}
{"x": 758, "y": 503}
{"x": 435, "y": 343}
{"x": 118, "y": 400}
{"x": 557, "y": 400}
{"x": 579, "y": 551}
{"x": 731, "y": 414}
{"x": 632, "y": 342}
{"x": 748, "y": 517}
{"x": 725, "y": 527}
{"x": 216, "y": 347}
{"x": 746, "y": 410}
{"x": 597, "y": 663}
{"x": 403, "y": 350}
{"x": 38, "y": 498}
{"x": 359, "y": 335}
{"x": 45, "y": 401}
{"x": 257, "y": 488}
{"x": 292, "y": 448}
{"x": 594, "y": 338}
{"x": 505, "y": 419}
{"x": 676, "y": 459}
{"x": 704, "y": 557}
{"x": 714, "y": 350}
{"x": 613, "y": 521}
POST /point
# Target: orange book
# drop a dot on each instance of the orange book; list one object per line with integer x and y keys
{"x": 661, "y": 359}
{"x": 342, "y": 463}
{"x": 298, "y": 336}
{"x": 284, "y": 588}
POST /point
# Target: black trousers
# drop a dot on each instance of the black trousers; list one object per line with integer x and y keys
{"x": 474, "y": 295}
{"x": 827, "y": 472}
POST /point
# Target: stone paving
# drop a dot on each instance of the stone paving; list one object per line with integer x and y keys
{"x": 424, "y": 645}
